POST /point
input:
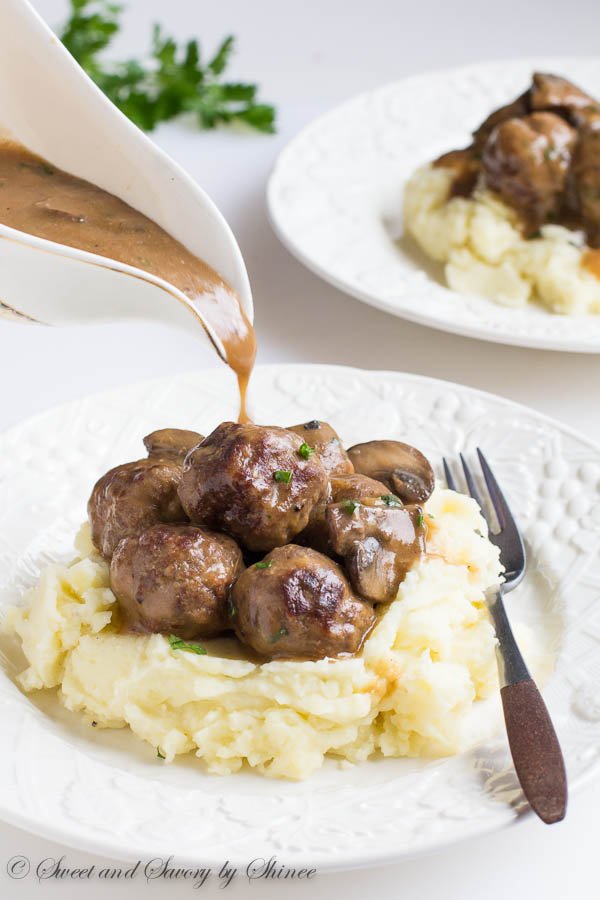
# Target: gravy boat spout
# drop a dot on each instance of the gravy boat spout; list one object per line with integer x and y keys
{"x": 49, "y": 105}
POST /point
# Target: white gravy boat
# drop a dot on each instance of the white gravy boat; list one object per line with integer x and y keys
{"x": 48, "y": 104}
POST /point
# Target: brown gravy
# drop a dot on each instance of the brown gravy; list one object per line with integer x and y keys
{"x": 39, "y": 199}
{"x": 591, "y": 262}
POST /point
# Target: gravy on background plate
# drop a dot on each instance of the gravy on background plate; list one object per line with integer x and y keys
{"x": 39, "y": 199}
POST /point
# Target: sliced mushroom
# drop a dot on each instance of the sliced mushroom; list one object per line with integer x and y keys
{"x": 355, "y": 487}
{"x": 341, "y": 487}
{"x": 401, "y": 467}
{"x": 325, "y": 441}
{"x": 379, "y": 543}
{"x": 172, "y": 443}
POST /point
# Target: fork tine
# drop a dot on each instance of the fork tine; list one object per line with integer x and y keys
{"x": 473, "y": 489}
{"x": 450, "y": 482}
{"x": 501, "y": 507}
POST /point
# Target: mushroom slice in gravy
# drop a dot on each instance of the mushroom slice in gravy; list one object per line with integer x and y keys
{"x": 172, "y": 443}
{"x": 379, "y": 544}
{"x": 401, "y": 467}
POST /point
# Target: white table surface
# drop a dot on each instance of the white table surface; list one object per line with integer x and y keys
{"x": 308, "y": 56}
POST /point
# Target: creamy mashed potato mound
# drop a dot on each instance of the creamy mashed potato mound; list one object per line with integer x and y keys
{"x": 412, "y": 691}
{"x": 484, "y": 252}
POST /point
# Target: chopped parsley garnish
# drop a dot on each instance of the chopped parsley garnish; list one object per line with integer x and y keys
{"x": 283, "y": 475}
{"x": 420, "y": 520}
{"x": 177, "y": 643}
{"x": 166, "y": 82}
{"x": 350, "y": 506}
{"x": 283, "y": 632}
{"x": 391, "y": 500}
{"x": 159, "y": 754}
{"x": 305, "y": 451}
{"x": 265, "y": 564}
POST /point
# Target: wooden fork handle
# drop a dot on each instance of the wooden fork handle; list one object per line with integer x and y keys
{"x": 535, "y": 750}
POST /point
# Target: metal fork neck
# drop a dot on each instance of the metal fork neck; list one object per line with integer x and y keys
{"x": 511, "y": 665}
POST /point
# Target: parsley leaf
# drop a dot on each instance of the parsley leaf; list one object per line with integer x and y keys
{"x": 170, "y": 81}
{"x": 177, "y": 643}
{"x": 283, "y": 632}
{"x": 265, "y": 564}
{"x": 391, "y": 500}
{"x": 283, "y": 475}
{"x": 350, "y": 506}
{"x": 305, "y": 451}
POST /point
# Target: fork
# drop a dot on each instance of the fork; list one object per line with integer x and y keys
{"x": 534, "y": 746}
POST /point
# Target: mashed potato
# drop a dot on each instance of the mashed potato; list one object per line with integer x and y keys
{"x": 479, "y": 241}
{"x": 411, "y": 692}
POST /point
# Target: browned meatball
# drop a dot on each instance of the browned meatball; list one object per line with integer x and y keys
{"x": 321, "y": 437}
{"x": 253, "y": 483}
{"x": 526, "y": 161}
{"x": 298, "y": 603}
{"x": 517, "y": 108}
{"x": 380, "y": 541}
{"x": 174, "y": 579}
{"x": 172, "y": 443}
{"x": 585, "y": 179}
{"x": 132, "y": 497}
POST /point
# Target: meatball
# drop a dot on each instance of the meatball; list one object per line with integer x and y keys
{"x": 298, "y": 603}
{"x": 514, "y": 110}
{"x": 380, "y": 540}
{"x": 175, "y": 579}
{"x": 172, "y": 443}
{"x": 132, "y": 497}
{"x": 526, "y": 161}
{"x": 252, "y": 483}
{"x": 585, "y": 179}
{"x": 321, "y": 438}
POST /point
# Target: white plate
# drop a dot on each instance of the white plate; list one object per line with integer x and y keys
{"x": 106, "y": 792}
{"x": 335, "y": 198}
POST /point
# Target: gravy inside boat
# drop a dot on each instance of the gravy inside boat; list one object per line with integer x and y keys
{"x": 39, "y": 199}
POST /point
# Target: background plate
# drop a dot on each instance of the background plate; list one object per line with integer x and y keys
{"x": 335, "y": 199}
{"x": 106, "y": 792}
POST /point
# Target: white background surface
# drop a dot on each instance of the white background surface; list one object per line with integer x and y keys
{"x": 309, "y": 56}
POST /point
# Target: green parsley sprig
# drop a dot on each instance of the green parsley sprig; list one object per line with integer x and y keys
{"x": 282, "y": 632}
{"x": 305, "y": 450}
{"x": 391, "y": 500}
{"x": 170, "y": 81}
{"x": 177, "y": 643}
